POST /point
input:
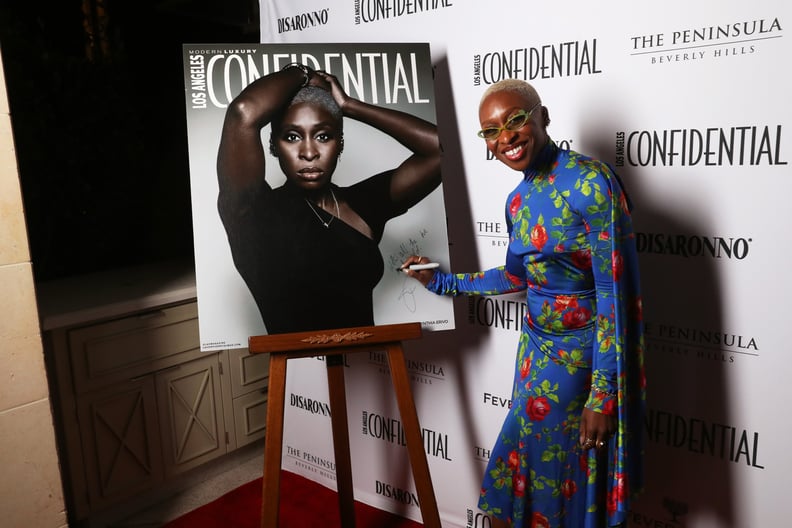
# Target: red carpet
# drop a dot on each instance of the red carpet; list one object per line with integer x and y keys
{"x": 303, "y": 504}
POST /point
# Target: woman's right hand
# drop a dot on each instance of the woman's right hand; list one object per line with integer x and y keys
{"x": 422, "y": 276}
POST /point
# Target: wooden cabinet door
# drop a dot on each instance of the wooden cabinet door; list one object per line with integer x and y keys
{"x": 250, "y": 417}
{"x": 191, "y": 415}
{"x": 113, "y": 351}
{"x": 120, "y": 441}
{"x": 249, "y": 378}
{"x": 249, "y": 372}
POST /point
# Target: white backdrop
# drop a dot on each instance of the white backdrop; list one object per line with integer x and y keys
{"x": 690, "y": 101}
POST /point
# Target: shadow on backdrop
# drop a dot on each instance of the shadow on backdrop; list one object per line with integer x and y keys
{"x": 689, "y": 445}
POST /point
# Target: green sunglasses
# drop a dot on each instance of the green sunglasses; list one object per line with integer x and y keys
{"x": 515, "y": 122}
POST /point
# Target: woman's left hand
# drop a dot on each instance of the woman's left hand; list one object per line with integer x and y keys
{"x": 596, "y": 429}
{"x": 334, "y": 87}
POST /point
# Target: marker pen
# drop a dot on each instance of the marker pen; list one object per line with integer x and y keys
{"x": 419, "y": 267}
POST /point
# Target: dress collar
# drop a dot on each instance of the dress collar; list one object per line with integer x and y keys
{"x": 543, "y": 161}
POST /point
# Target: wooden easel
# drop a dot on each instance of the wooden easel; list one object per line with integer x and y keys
{"x": 333, "y": 344}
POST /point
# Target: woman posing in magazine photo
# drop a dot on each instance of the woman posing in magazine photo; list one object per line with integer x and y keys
{"x": 308, "y": 249}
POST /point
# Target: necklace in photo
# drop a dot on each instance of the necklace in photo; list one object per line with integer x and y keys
{"x": 328, "y": 222}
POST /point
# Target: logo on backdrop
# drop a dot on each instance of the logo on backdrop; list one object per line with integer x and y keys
{"x": 714, "y": 42}
{"x": 396, "y": 493}
{"x": 559, "y": 59}
{"x": 494, "y": 400}
{"x": 218, "y": 74}
{"x": 420, "y": 371}
{"x": 477, "y": 519}
{"x": 310, "y": 462}
{"x": 303, "y": 21}
{"x": 688, "y": 246}
{"x": 698, "y": 343}
{"x": 722, "y": 441}
{"x": 497, "y": 312}
{"x": 736, "y": 146}
{"x": 675, "y": 508}
{"x": 375, "y": 10}
{"x": 391, "y": 430}
{"x": 309, "y": 404}
{"x": 482, "y": 454}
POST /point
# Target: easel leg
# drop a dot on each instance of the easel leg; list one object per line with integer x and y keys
{"x": 339, "y": 421}
{"x": 412, "y": 433}
{"x": 273, "y": 444}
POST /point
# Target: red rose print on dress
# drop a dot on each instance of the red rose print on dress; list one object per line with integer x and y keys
{"x": 537, "y": 408}
{"x": 620, "y": 489}
{"x": 518, "y": 485}
{"x": 568, "y": 488}
{"x": 525, "y": 367}
{"x": 618, "y": 494}
{"x": 514, "y": 279}
{"x": 612, "y": 504}
{"x": 624, "y": 205}
{"x": 618, "y": 265}
{"x": 515, "y": 204}
{"x": 582, "y": 259}
{"x": 576, "y": 318}
{"x": 538, "y": 236}
{"x": 539, "y": 521}
{"x": 565, "y": 301}
{"x": 584, "y": 465}
{"x": 514, "y": 460}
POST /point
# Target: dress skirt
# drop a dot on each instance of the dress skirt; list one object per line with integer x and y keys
{"x": 538, "y": 475}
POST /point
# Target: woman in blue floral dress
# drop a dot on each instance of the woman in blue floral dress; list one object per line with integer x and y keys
{"x": 569, "y": 452}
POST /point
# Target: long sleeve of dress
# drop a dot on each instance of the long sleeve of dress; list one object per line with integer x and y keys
{"x": 602, "y": 204}
{"x": 493, "y": 281}
{"x": 617, "y": 384}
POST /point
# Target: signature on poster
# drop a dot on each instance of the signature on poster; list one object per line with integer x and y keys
{"x": 395, "y": 260}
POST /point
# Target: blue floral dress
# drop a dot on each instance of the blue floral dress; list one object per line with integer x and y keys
{"x": 571, "y": 246}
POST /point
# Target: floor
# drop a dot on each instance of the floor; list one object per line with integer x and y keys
{"x": 203, "y": 487}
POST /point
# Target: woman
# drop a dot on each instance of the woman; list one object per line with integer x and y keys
{"x": 308, "y": 250}
{"x": 569, "y": 453}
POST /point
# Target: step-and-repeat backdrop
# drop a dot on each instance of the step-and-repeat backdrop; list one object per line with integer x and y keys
{"x": 690, "y": 102}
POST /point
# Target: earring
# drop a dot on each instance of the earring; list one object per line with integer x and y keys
{"x": 341, "y": 146}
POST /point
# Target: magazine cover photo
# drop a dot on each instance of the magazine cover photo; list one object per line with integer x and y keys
{"x": 314, "y": 172}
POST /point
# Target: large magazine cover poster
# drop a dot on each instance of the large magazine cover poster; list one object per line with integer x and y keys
{"x": 277, "y": 271}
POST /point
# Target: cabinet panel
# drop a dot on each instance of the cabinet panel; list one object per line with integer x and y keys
{"x": 120, "y": 441}
{"x": 250, "y": 417}
{"x": 191, "y": 419}
{"x": 248, "y": 371}
{"x": 139, "y": 404}
{"x": 109, "y": 352}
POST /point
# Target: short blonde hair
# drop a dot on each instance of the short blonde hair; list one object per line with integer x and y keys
{"x": 513, "y": 85}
